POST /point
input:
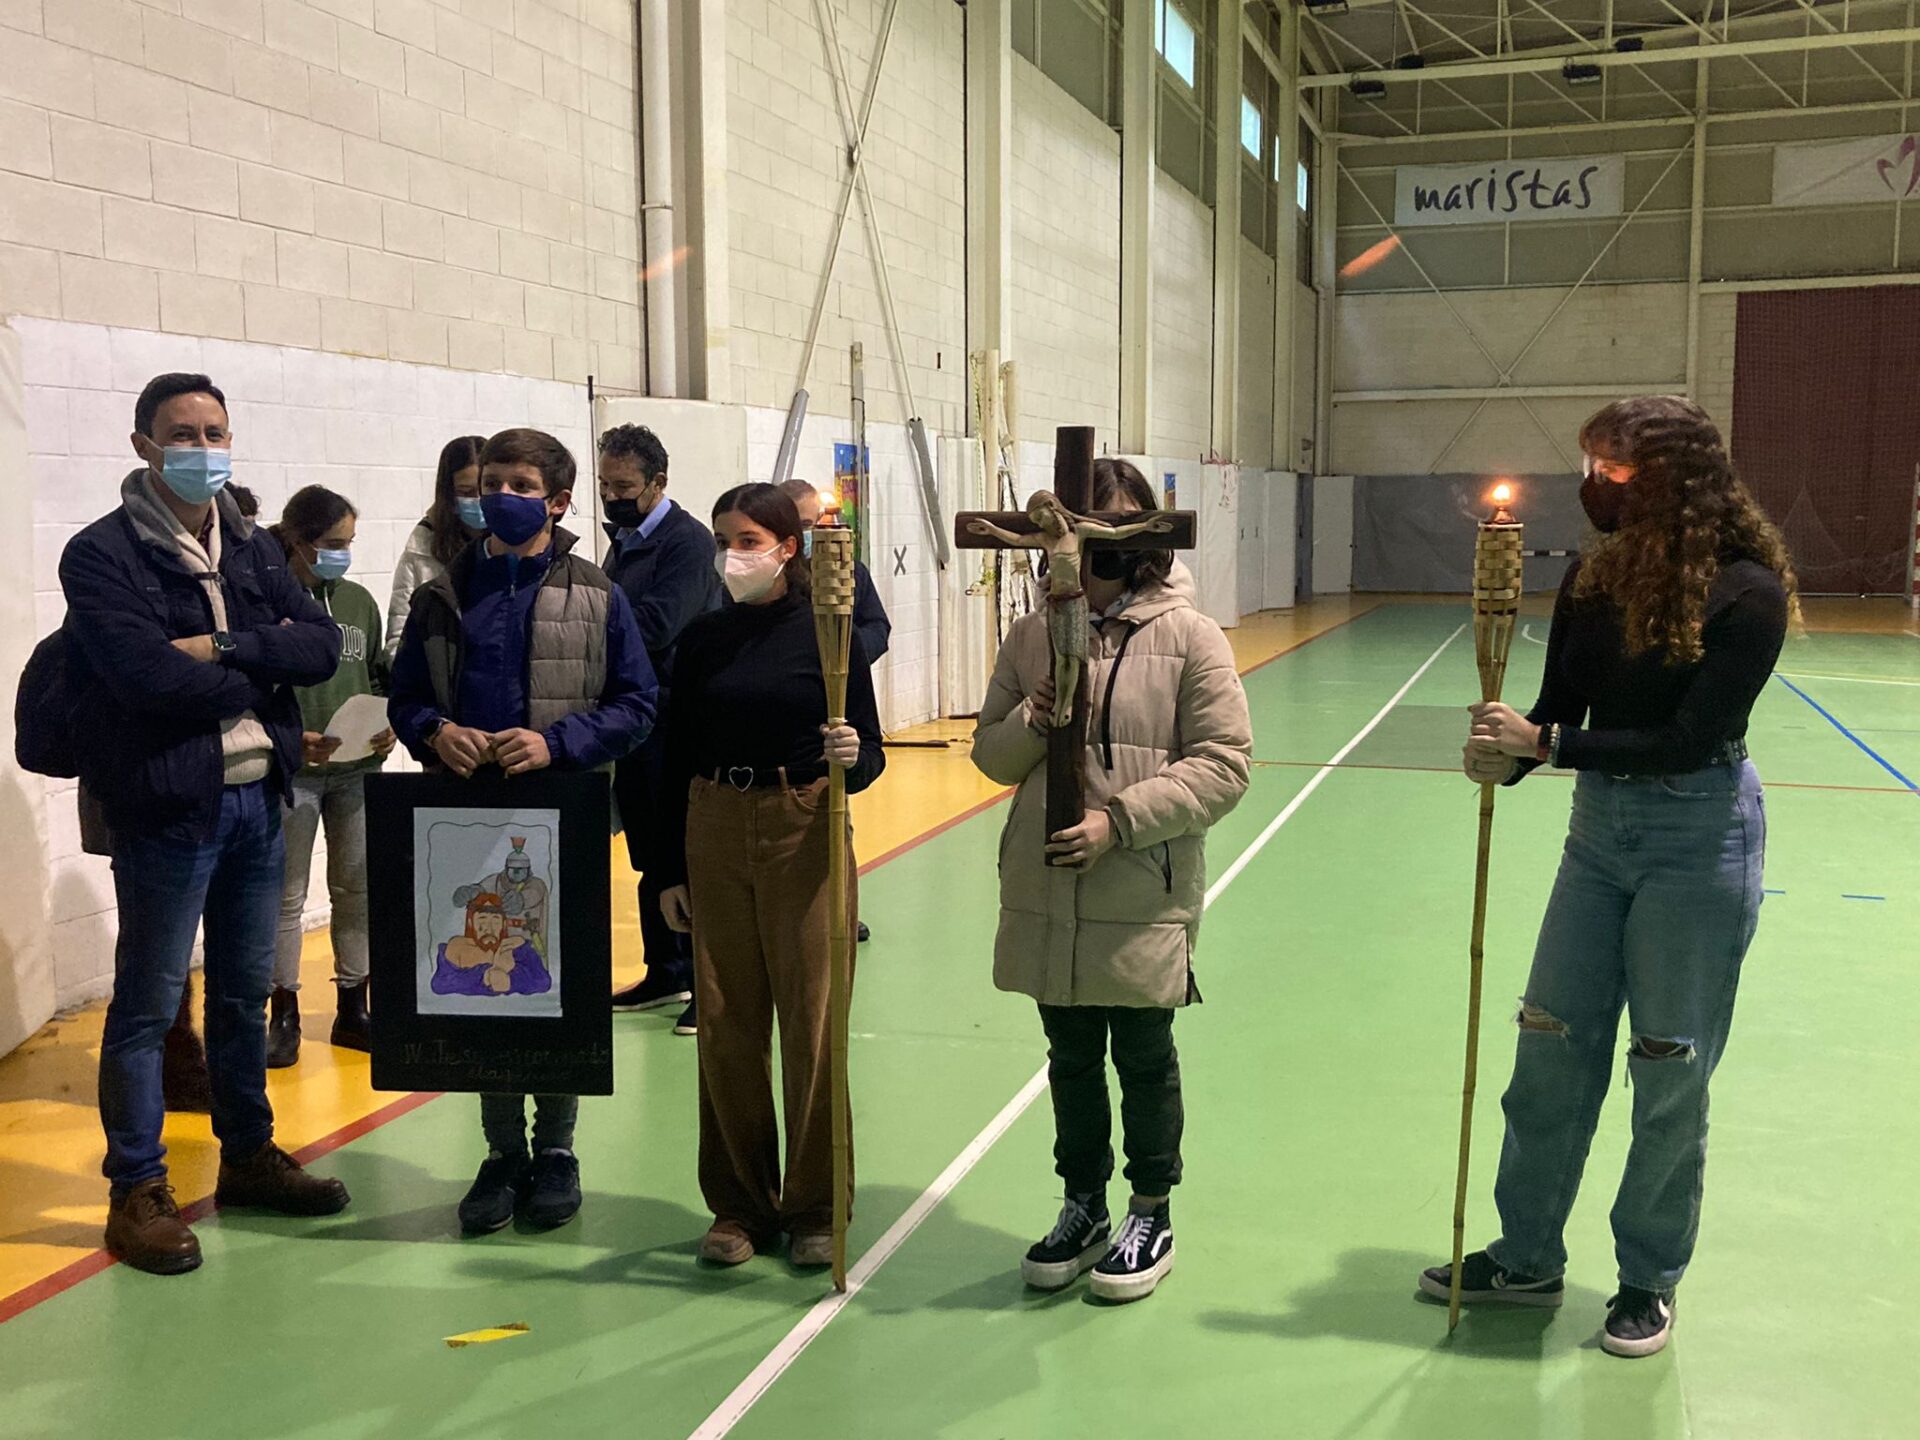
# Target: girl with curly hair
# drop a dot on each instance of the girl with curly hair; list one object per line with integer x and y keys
{"x": 1664, "y": 633}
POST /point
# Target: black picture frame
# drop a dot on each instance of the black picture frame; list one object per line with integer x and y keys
{"x": 425, "y": 1041}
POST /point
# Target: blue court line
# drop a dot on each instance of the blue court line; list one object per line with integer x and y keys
{"x": 1875, "y": 755}
{"x": 1774, "y": 892}
{"x": 1863, "y": 897}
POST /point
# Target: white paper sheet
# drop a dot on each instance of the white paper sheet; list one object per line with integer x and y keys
{"x": 354, "y": 725}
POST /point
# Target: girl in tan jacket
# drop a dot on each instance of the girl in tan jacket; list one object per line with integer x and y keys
{"x": 1168, "y": 746}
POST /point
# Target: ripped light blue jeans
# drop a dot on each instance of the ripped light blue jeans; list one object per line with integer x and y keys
{"x": 1656, "y": 903}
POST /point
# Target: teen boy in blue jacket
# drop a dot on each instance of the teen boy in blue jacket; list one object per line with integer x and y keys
{"x": 522, "y": 655}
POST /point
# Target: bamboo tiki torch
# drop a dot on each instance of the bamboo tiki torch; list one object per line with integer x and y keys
{"x": 833, "y": 629}
{"x": 1496, "y": 605}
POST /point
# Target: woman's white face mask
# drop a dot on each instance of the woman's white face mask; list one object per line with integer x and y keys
{"x": 750, "y": 574}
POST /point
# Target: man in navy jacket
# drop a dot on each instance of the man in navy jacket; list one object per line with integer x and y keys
{"x": 186, "y": 635}
{"x": 662, "y": 558}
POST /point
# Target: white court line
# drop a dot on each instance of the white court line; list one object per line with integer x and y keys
{"x": 732, "y": 1410}
{"x": 1850, "y": 679}
{"x": 1526, "y": 633}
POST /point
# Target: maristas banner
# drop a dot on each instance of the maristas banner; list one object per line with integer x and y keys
{"x": 1847, "y": 172}
{"x": 1499, "y": 191}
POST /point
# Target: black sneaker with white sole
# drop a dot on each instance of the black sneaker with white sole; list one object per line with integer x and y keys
{"x": 1141, "y": 1257}
{"x": 495, "y": 1194}
{"x": 662, "y": 987}
{"x": 1074, "y": 1245}
{"x": 1638, "y": 1323}
{"x": 1483, "y": 1282}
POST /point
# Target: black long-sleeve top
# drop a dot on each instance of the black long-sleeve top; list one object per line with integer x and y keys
{"x": 870, "y": 620}
{"x": 747, "y": 692}
{"x": 1637, "y": 715}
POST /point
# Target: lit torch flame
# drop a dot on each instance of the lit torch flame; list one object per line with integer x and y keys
{"x": 1502, "y": 497}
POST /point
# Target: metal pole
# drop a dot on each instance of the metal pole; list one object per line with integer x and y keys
{"x": 1696, "y": 228}
{"x": 863, "y": 502}
{"x": 1551, "y": 58}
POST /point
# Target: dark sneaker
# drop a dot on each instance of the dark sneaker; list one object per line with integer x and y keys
{"x": 271, "y": 1179}
{"x": 553, "y": 1190}
{"x": 145, "y": 1230}
{"x": 352, "y": 1027}
{"x": 1074, "y": 1246}
{"x": 1483, "y": 1282}
{"x": 688, "y": 1023}
{"x": 494, "y": 1195}
{"x": 283, "y": 1029}
{"x": 1141, "y": 1257}
{"x": 1638, "y": 1323}
{"x": 659, "y": 988}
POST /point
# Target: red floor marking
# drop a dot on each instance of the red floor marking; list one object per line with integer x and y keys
{"x": 936, "y": 831}
{"x": 1279, "y": 654}
{"x": 87, "y": 1266}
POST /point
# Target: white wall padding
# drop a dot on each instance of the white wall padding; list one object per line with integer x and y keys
{"x": 1216, "y": 563}
{"x": 26, "y": 925}
{"x": 706, "y": 447}
{"x": 966, "y": 646}
{"x": 1283, "y": 510}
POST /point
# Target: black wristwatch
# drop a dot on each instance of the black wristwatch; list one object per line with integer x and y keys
{"x": 223, "y": 645}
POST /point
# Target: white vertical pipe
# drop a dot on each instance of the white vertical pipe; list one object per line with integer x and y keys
{"x": 656, "y": 200}
{"x": 1139, "y": 93}
{"x": 1696, "y": 228}
{"x": 1228, "y": 89}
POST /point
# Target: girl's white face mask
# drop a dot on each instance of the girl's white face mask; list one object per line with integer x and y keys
{"x": 749, "y": 574}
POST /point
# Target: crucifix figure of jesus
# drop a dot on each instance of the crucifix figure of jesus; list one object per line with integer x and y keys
{"x": 1059, "y": 522}
{"x": 1064, "y": 533}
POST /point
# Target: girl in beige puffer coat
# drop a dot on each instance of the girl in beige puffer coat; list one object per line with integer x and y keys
{"x": 1168, "y": 750}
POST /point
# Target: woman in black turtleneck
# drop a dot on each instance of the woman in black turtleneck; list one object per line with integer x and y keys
{"x": 1665, "y": 632}
{"x": 745, "y": 848}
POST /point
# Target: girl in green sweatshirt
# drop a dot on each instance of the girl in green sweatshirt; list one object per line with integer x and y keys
{"x": 316, "y": 530}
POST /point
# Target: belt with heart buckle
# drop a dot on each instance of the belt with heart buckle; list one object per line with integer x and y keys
{"x": 745, "y": 777}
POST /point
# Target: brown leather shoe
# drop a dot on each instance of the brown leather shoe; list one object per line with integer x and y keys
{"x": 727, "y": 1243}
{"x": 145, "y": 1230}
{"x": 271, "y": 1179}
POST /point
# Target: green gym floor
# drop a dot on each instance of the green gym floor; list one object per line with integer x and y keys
{"x": 1322, "y": 1085}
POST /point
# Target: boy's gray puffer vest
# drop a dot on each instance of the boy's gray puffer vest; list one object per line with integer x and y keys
{"x": 566, "y": 652}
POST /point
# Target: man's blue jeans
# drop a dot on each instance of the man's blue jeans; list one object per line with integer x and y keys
{"x": 1657, "y": 901}
{"x": 164, "y": 888}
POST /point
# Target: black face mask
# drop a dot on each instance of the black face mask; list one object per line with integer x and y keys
{"x": 1111, "y": 565}
{"x": 1604, "y": 501}
{"x": 625, "y": 513}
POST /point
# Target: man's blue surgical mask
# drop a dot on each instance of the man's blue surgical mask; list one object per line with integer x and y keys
{"x": 195, "y": 473}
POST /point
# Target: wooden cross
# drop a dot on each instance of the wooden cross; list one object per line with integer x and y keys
{"x": 1064, "y": 524}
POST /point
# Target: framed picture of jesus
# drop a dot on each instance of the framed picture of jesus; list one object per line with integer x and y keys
{"x": 489, "y": 933}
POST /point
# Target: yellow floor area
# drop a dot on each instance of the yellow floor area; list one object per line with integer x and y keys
{"x": 53, "y": 1200}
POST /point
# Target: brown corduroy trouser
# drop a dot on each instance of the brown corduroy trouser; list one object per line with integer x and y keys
{"x": 757, "y": 873}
